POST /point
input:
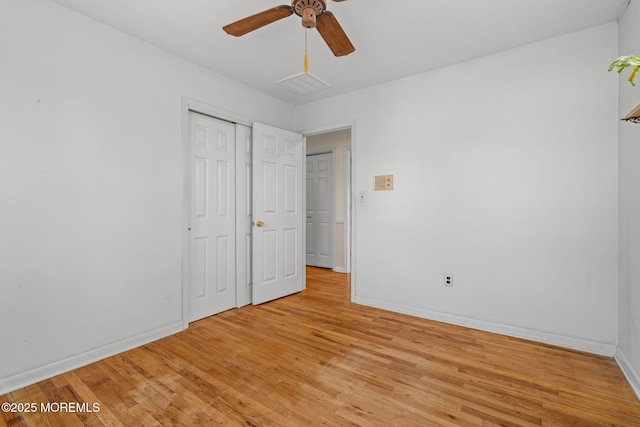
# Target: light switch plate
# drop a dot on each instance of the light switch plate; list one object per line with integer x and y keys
{"x": 383, "y": 183}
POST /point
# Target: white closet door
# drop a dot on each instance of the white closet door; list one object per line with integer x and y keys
{"x": 212, "y": 236}
{"x": 244, "y": 210}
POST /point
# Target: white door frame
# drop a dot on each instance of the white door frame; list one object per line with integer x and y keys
{"x": 347, "y": 207}
{"x": 190, "y": 104}
{"x": 350, "y": 216}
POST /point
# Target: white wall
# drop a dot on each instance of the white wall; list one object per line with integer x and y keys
{"x": 91, "y": 186}
{"x": 337, "y": 141}
{"x": 629, "y": 350}
{"x": 505, "y": 175}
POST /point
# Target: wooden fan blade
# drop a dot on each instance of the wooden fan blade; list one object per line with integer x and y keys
{"x": 333, "y": 34}
{"x": 253, "y": 22}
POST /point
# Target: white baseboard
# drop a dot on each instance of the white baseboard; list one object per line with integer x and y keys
{"x": 33, "y": 376}
{"x": 630, "y": 374}
{"x": 339, "y": 269}
{"x": 594, "y": 347}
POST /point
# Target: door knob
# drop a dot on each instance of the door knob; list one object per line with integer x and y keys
{"x": 259, "y": 224}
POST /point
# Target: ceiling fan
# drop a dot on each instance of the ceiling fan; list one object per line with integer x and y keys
{"x": 314, "y": 14}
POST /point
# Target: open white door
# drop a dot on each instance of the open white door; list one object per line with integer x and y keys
{"x": 278, "y": 213}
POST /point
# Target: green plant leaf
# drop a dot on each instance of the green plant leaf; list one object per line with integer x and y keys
{"x": 632, "y": 77}
{"x": 624, "y": 62}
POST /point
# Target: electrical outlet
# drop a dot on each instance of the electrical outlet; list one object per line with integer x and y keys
{"x": 448, "y": 280}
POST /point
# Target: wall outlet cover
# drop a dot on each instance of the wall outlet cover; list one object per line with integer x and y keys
{"x": 448, "y": 280}
{"x": 383, "y": 183}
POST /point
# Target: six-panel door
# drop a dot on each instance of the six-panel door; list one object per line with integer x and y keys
{"x": 278, "y": 265}
{"x": 213, "y": 198}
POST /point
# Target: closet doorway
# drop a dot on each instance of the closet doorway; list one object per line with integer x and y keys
{"x": 243, "y": 210}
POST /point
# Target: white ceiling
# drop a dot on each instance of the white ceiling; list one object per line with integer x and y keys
{"x": 393, "y": 38}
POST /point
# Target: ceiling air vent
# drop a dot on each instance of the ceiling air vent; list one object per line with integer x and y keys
{"x": 303, "y": 84}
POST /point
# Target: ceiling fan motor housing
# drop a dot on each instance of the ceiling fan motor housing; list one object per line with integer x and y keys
{"x": 308, "y": 10}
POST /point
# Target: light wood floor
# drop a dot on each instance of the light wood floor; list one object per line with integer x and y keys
{"x": 317, "y": 359}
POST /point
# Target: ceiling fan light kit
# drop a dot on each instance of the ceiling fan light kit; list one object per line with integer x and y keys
{"x": 314, "y": 14}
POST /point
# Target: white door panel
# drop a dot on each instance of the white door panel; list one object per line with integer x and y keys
{"x": 244, "y": 276}
{"x": 213, "y": 216}
{"x": 320, "y": 207}
{"x": 277, "y": 213}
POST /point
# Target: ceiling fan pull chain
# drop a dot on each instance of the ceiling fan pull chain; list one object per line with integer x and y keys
{"x": 306, "y": 55}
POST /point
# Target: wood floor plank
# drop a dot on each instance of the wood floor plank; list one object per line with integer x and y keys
{"x": 315, "y": 358}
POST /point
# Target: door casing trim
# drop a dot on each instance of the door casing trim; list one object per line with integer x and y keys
{"x": 331, "y": 127}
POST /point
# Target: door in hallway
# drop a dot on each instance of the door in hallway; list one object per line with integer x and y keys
{"x": 319, "y": 211}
